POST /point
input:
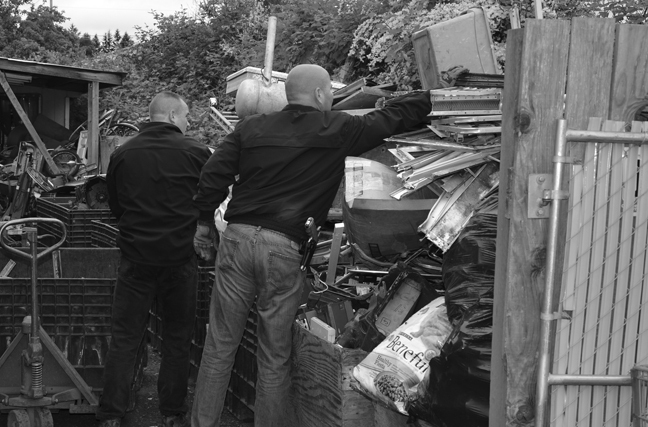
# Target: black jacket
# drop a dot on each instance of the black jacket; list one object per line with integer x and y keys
{"x": 290, "y": 163}
{"x": 151, "y": 180}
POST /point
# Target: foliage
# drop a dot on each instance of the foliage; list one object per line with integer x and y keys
{"x": 383, "y": 42}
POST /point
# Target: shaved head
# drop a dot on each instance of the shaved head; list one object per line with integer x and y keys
{"x": 169, "y": 107}
{"x": 309, "y": 84}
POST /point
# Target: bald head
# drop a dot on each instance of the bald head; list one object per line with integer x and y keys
{"x": 309, "y": 84}
{"x": 169, "y": 107}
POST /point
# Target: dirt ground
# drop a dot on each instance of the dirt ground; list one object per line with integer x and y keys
{"x": 146, "y": 410}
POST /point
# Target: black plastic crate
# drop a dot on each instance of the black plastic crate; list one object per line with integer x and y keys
{"x": 75, "y": 313}
{"x": 77, "y": 221}
{"x": 103, "y": 235}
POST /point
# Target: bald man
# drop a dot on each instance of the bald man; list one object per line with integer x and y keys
{"x": 151, "y": 180}
{"x": 290, "y": 164}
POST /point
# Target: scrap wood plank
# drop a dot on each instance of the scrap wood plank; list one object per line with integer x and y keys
{"x": 535, "y": 85}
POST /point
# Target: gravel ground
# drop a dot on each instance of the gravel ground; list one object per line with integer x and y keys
{"x": 146, "y": 410}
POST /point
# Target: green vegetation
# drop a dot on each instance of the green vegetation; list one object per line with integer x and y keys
{"x": 192, "y": 54}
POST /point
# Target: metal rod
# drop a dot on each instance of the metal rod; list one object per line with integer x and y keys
{"x": 546, "y": 314}
{"x": 602, "y": 380}
{"x": 33, "y": 243}
{"x": 602, "y": 136}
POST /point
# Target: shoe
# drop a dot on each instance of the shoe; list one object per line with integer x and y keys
{"x": 178, "y": 420}
{"x": 115, "y": 422}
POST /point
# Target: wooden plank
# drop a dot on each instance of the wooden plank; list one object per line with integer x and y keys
{"x": 581, "y": 277}
{"x": 28, "y": 124}
{"x": 630, "y": 77}
{"x": 531, "y": 109}
{"x": 602, "y": 327}
{"x": 588, "y": 93}
{"x": 93, "y": 125}
{"x": 35, "y": 68}
{"x": 499, "y": 384}
{"x": 621, "y": 302}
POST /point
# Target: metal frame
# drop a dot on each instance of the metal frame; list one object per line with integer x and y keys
{"x": 554, "y": 197}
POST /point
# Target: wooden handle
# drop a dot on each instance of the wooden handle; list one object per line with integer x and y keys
{"x": 269, "y": 52}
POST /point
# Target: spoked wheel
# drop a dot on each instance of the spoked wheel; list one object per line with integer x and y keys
{"x": 18, "y": 418}
{"x": 43, "y": 418}
{"x": 122, "y": 129}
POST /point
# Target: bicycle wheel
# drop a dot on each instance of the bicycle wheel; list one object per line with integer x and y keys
{"x": 122, "y": 129}
{"x": 67, "y": 162}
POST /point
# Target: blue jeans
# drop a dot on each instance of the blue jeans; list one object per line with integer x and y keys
{"x": 252, "y": 262}
{"x": 137, "y": 285}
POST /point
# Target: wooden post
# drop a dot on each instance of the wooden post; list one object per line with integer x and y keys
{"x": 93, "y": 126}
{"x": 534, "y": 89}
{"x": 28, "y": 124}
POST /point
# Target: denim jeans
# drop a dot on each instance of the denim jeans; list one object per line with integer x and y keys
{"x": 137, "y": 285}
{"x": 252, "y": 262}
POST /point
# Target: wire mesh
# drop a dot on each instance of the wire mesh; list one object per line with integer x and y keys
{"x": 640, "y": 396}
{"x": 603, "y": 330}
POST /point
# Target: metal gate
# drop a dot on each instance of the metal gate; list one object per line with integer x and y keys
{"x": 600, "y": 329}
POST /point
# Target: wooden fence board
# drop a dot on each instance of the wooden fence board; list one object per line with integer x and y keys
{"x": 589, "y": 74}
{"x": 540, "y": 94}
{"x": 630, "y": 78}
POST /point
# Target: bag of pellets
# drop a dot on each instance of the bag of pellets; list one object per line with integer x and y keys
{"x": 392, "y": 371}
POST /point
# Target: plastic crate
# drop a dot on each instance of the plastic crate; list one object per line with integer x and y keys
{"x": 75, "y": 313}
{"x": 77, "y": 221}
{"x": 103, "y": 235}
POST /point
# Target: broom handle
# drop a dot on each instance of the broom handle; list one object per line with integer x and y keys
{"x": 269, "y": 52}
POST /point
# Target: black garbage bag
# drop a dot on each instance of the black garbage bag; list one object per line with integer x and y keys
{"x": 457, "y": 390}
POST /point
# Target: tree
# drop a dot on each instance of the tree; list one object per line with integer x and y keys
{"x": 86, "y": 44}
{"x": 125, "y": 41}
{"x": 116, "y": 38}
{"x": 96, "y": 43}
{"x": 39, "y": 34}
{"x": 107, "y": 42}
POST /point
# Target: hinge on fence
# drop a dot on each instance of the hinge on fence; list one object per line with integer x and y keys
{"x": 538, "y": 204}
{"x": 541, "y": 194}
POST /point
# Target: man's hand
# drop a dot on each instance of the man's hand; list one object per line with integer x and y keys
{"x": 205, "y": 240}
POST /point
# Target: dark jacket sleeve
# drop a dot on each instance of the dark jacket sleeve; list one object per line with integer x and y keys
{"x": 217, "y": 175}
{"x": 111, "y": 184}
{"x": 400, "y": 114}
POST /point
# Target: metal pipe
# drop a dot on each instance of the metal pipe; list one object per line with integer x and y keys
{"x": 33, "y": 242}
{"x": 602, "y": 380}
{"x": 601, "y": 136}
{"x": 546, "y": 314}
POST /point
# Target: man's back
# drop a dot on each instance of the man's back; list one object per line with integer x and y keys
{"x": 151, "y": 181}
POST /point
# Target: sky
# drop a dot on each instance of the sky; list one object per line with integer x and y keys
{"x": 99, "y": 17}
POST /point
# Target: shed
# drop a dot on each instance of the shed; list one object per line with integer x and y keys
{"x": 36, "y": 88}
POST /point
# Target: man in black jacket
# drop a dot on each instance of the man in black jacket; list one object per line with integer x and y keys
{"x": 290, "y": 164}
{"x": 151, "y": 181}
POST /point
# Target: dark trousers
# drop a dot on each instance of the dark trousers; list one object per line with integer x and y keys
{"x": 137, "y": 285}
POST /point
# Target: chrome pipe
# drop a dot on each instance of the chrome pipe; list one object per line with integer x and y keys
{"x": 612, "y": 137}
{"x": 602, "y": 380}
{"x": 546, "y": 313}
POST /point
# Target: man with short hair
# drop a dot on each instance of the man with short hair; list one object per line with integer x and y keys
{"x": 290, "y": 164}
{"x": 151, "y": 181}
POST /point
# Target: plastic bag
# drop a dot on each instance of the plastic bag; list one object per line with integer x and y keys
{"x": 457, "y": 390}
{"x": 392, "y": 371}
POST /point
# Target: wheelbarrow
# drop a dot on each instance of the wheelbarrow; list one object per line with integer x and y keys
{"x": 36, "y": 375}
